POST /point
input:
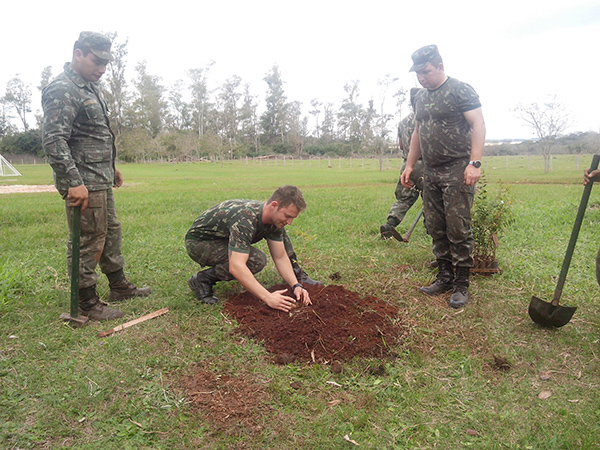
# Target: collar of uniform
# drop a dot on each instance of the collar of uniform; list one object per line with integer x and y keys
{"x": 75, "y": 77}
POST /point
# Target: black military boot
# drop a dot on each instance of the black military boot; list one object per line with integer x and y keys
{"x": 460, "y": 292}
{"x": 121, "y": 289}
{"x": 386, "y": 231}
{"x": 202, "y": 284}
{"x": 444, "y": 281}
{"x": 91, "y": 306}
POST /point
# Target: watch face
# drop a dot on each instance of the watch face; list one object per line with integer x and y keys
{"x": 476, "y": 164}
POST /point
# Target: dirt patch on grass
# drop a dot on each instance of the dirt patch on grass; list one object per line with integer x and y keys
{"x": 228, "y": 402}
{"x": 22, "y": 188}
{"x": 338, "y": 326}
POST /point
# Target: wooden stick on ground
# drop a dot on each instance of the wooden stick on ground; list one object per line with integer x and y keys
{"x": 133, "y": 322}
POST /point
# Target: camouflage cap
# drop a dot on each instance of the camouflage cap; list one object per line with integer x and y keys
{"x": 422, "y": 56}
{"x": 97, "y": 43}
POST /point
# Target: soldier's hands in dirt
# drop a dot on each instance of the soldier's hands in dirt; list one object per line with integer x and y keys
{"x": 281, "y": 302}
{"x": 302, "y": 295}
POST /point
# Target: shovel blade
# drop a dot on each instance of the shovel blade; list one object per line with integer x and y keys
{"x": 397, "y": 235}
{"x": 547, "y": 315}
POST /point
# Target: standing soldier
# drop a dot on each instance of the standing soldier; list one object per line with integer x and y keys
{"x": 81, "y": 150}
{"x": 450, "y": 135}
{"x": 405, "y": 197}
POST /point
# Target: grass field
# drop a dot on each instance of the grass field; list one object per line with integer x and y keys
{"x": 66, "y": 388}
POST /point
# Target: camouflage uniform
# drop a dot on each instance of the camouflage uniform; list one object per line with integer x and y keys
{"x": 233, "y": 225}
{"x": 406, "y": 197}
{"x": 445, "y": 138}
{"x": 80, "y": 148}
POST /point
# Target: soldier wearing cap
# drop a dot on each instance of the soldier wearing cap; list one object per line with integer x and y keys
{"x": 449, "y": 135}
{"x": 80, "y": 146}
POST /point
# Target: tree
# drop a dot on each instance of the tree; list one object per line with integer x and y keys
{"x": 149, "y": 106}
{"x": 114, "y": 85}
{"x": 382, "y": 119}
{"x": 181, "y": 117}
{"x": 351, "y": 117}
{"x": 328, "y": 124}
{"x": 228, "y": 98}
{"x": 274, "y": 119}
{"x": 6, "y": 127}
{"x": 18, "y": 96}
{"x": 199, "y": 91}
{"x": 316, "y": 111}
{"x": 249, "y": 126}
{"x": 298, "y": 127}
{"x": 549, "y": 120}
{"x": 46, "y": 78}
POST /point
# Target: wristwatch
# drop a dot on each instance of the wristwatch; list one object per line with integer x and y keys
{"x": 476, "y": 163}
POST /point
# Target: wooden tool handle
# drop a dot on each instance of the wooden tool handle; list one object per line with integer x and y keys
{"x": 133, "y": 322}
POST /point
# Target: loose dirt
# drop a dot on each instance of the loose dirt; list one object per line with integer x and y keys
{"x": 232, "y": 404}
{"x": 338, "y": 326}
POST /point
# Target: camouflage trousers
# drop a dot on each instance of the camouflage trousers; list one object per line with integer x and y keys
{"x": 100, "y": 240}
{"x": 447, "y": 204}
{"x": 216, "y": 254}
{"x": 405, "y": 197}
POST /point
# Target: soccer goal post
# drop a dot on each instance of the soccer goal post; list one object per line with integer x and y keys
{"x": 7, "y": 169}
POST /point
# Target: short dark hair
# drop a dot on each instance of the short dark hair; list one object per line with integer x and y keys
{"x": 288, "y": 195}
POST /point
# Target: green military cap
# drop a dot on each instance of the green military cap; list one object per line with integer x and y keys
{"x": 423, "y": 56}
{"x": 97, "y": 43}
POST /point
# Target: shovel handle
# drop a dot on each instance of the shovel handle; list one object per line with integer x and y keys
{"x": 406, "y": 237}
{"x": 75, "y": 247}
{"x": 574, "y": 234}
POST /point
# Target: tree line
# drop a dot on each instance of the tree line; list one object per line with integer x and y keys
{"x": 189, "y": 121}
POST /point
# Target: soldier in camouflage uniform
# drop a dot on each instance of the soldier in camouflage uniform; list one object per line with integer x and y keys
{"x": 405, "y": 197}
{"x": 450, "y": 135}
{"x": 81, "y": 150}
{"x": 222, "y": 237}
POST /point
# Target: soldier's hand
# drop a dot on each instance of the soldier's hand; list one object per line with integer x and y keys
{"x": 405, "y": 177}
{"x": 279, "y": 301}
{"x": 591, "y": 176}
{"x": 78, "y": 196}
{"x": 118, "y": 178}
{"x": 302, "y": 295}
{"x": 472, "y": 175}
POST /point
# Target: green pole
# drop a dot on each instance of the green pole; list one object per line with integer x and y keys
{"x": 75, "y": 235}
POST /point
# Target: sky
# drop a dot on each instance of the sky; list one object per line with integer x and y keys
{"x": 512, "y": 52}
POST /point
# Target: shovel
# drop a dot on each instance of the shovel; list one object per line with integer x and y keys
{"x": 74, "y": 318}
{"x": 406, "y": 237}
{"x": 551, "y": 314}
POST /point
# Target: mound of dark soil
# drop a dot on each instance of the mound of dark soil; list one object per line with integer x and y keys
{"x": 339, "y": 325}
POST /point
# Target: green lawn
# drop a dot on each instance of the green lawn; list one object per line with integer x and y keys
{"x": 66, "y": 388}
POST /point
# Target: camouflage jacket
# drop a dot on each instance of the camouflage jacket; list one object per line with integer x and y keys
{"x": 405, "y": 131}
{"x": 444, "y": 133}
{"x": 76, "y": 134}
{"x": 238, "y": 221}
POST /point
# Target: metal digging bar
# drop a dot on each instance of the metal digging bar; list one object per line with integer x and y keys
{"x": 74, "y": 318}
